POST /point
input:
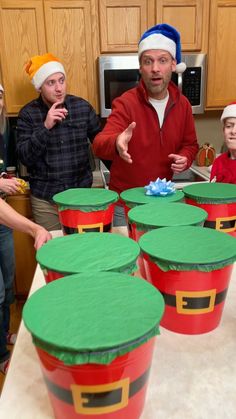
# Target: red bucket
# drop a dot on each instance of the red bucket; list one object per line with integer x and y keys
{"x": 219, "y": 200}
{"x": 191, "y": 307}
{"x": 76, "y": 221}
{"x": 193, "y": 288}
{"x": 137, "y": 196}
{"x": 93, "y": 365}
{"x": 79, "y": 253}
{"x": 147, "y": 217}
{"x": 75, "y": 390}
{"x": 86, "y": 210}
{"x": 221, "y": 217}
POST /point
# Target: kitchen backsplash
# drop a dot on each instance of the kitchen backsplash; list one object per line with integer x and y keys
{"x": 209, "y": 129}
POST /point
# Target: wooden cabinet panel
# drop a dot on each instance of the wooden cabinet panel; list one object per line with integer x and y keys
{"x": 72, "y": 36}
{"x": 21, "y": 36}
{"x": 24, "y": 248}
{"x": 122, "y": 23}
{"x": 189, "y": 17}
{"x": 25, "y": 263}
{"x": 221, "y": 85}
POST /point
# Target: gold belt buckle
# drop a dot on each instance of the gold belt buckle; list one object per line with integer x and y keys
{"x": 181, "y": 304}
{"x": 80, "y": 401}
{"x": 83, "y": 227}
{"x": 220, "y": 226}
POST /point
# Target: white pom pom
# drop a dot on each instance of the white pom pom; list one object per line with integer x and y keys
{"x": 180, "y": 68}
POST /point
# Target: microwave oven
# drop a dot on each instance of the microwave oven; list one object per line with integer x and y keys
{"x": 118, "y": 73}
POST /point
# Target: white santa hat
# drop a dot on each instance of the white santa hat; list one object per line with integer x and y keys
{"x": 163, "y": 37}
{"x": 229, "y": 111}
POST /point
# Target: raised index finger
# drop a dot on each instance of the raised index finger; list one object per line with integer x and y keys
{"x": 56, "y": 104}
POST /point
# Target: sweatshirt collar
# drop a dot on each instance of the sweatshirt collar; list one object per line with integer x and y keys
{"x": 173, "y": 90}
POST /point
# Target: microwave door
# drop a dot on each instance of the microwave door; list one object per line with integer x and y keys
{"x": 178, "y": 80}
{"x": 116, "y": 82}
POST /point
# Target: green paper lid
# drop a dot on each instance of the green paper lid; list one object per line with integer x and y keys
{"x": 78, "y": 253}
{"x": 150, "y": 216}
{"x": 189, "y": 248}
{"x": 85, "y": 199}
{"x": 211, "y": 193}
{"x": 137, "y": 196}
{"x": 93, "y": 318}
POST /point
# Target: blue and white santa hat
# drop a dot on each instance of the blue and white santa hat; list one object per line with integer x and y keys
{"x": 164, "y": 37}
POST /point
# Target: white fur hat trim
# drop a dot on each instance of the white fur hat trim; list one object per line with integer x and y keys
{"x": 229, "y": 112}
{"x": 157, "y": 40}
{"x": 45, "y": 71}
{"x": 164, "y": 43}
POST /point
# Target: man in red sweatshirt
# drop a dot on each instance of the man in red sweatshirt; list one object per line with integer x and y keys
{"x": 150, "y": 132}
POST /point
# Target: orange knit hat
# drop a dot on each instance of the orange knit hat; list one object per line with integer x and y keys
{"x": 40, "y": 67}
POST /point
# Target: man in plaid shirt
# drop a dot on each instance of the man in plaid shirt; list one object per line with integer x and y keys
{"x": 52, "y": 138}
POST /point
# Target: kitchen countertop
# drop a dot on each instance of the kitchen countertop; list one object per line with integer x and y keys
{"x": 97, "y": 180}
{"x": 192, "y": 377}
{"x": 202, "y": 171}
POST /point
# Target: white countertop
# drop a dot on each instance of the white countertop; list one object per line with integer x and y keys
{"x": 202, "y": 171}
{"x": 192, "y": 377}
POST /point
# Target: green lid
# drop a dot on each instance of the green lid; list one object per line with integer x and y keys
{"x": 150, "y": 216}
{"x": 211, "y": 193}
{"x": 85, "y": 199}
{"x": 137, "y": 196}
{"x": 93, "y": 318}
{"x": 189, "y": 248}
{"x": 77, "y": 253}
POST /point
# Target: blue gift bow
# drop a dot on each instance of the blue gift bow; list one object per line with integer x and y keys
{"x": 161, "y": 187}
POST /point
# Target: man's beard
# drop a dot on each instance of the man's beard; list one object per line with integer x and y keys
{"x": 161, "y": 87}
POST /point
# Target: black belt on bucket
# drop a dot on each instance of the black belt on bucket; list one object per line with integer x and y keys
{"x": 99, "y": 227}
{"x": 100, "y": 398}
{"x": 195, "y": 302}
{"x": 226, "y": 223}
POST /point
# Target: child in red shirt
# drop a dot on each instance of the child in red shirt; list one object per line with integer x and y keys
{"x": 224, "y": 166}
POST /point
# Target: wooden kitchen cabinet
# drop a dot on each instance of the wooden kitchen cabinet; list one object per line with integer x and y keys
{"x": 24, "y": 248}
{"x": 72, "y": 34}
{"x": 78, "y": 31}
{"x": 190, "y": 18}
{"x": 67, "y": 29}
{"x": 122, "y": 22}
{"x": 22, "y": 35}
{"x": 221, "y": 81}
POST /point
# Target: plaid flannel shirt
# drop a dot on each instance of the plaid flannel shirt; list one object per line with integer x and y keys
{"x": 56, "y": 159}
